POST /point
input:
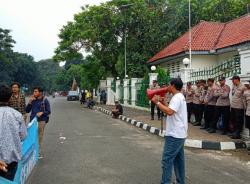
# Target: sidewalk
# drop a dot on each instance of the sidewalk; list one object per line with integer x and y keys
{"x": 195, "y": 134}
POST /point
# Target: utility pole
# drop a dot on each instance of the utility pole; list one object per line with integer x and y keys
{"x": 190, "y": 34}
{"x": 125, "y": 7}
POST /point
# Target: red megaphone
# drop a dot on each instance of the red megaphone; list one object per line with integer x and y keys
{"x": 161, "y": 92}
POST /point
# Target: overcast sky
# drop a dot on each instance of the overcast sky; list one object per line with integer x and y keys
{"x": 35, "y": 24}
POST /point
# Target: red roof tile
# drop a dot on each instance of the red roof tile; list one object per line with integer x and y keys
{"x": 235, "y": 32}
{"x": 208, "y": 36}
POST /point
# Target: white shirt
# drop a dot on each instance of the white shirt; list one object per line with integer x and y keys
{"x": 177, "y": 124}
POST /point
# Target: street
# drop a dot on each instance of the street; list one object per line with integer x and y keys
{"x": 86, "y": 146}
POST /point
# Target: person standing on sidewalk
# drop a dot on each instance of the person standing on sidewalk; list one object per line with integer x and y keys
{"x": 237, "y": 107}
{"x": 210, "y": 102}
{"x": 39, "y": 106}
{"x": 176, "y": 133}
{"x": 12, "y": 132}
{"x": 222, "y": 107}
{"x": 155, "y": 86}
{"x": 189, "y": 93}
{"x": 197, "y": 103}
{"x": 17, "y": 100}
{"x": 203, "y": 91}
{"x": 246, "y": 96}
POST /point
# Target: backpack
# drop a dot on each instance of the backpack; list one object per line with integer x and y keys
{"x": 43, "y": 106}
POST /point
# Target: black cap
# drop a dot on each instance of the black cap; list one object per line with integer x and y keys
{"x": 154, "y": 80}
{"x": 222, "y": 78}
{"x": 236, "y": 77}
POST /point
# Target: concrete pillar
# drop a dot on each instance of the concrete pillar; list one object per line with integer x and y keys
{"x": 103, "y": 85}
{"x": 117, "y": 93}
{"x": 110, "y": 96}
{"x": 152, "y": 76}
{"x": 245, "y": 60}
{"x": 185, "y": 75}
{"x": 133, "y": 91}
{"x": 125, "y": 85}
{"x": 245, "y": 75}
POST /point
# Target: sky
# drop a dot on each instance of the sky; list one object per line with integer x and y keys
{"x": 35, "y": 24}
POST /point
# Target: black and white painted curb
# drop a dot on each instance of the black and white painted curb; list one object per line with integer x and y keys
{"x": 192, "y": 143}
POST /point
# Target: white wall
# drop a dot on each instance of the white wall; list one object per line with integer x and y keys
{"x": 198, "y": 62}
{"x": 245, "y": 60}
{"x": 203, "y": 61}
{"x": 226, "y": 56}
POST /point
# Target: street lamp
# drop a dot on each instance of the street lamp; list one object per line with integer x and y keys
{"x": 153, "y": 68}
{"x": 186, "y": 62}
{"x": 125, "y": 7}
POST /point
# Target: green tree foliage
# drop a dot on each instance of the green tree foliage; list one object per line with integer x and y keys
{"x": 6, "y": 63}
{"x": 26, "y": 70}
{"x": 149, "y": 25}
{"x": 163, "y": 76}
{"x": 47, "y": 72}
{"x": 21, "y": 67}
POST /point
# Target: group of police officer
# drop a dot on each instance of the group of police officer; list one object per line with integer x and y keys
{"x": 211, "y": 100}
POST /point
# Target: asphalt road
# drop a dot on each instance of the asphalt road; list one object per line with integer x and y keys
{"x": 85, "y": 146}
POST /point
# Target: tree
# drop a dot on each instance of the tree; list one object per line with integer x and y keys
{"x": 6, "y": 64}
{"x": 47, "y": 71}
{"x": 147, "y": 25}
{"x": 26, "y": 71}
{"x": 163, "y": 76}
{"x": 93, "y": 71}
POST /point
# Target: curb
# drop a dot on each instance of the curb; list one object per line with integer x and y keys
{"x": 191, "y": 143}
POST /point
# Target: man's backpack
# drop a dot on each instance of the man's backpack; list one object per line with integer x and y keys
{"x": 43, "y": 107}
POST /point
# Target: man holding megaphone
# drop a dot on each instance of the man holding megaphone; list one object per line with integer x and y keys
{"x": 176, "y": 131}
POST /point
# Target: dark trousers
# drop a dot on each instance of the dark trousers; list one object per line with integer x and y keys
{"x": 198, "y": 112}
{"x": 247, "y": 121}
{"x": 189, "y": 110}
{"x": 223, "y": 111}
{"x": 237, "y": 117}
{"x": 10, "y": 174}
{"x": 209, "y": 116}
{"x": 153, "y": 111}
{"x": 116, "y": 114}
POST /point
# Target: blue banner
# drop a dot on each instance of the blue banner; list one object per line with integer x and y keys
{"x": 30, "y": 151}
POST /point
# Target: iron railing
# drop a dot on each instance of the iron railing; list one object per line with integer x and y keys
{"x": 141, "y": 96}
{"x": 227, "y": 69}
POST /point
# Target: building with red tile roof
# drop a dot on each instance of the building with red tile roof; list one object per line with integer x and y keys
{"x": 212, "y": 44}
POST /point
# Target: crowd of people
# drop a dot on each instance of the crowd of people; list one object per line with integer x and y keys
{"x": 219, "y": 105}
{"x": 13, "y": 124}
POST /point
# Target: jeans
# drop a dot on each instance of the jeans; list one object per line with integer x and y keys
{"x": 173, "y": 156}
